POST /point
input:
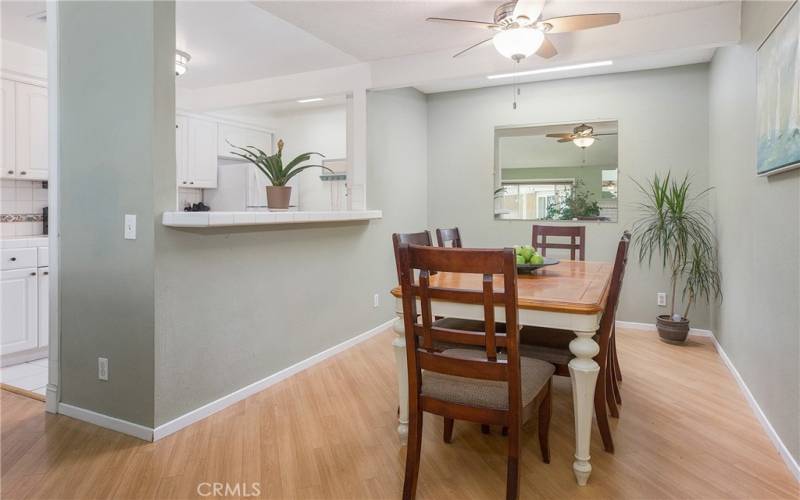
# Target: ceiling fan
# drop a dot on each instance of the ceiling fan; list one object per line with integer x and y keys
{"x": 520, "y": 31}
{"x": 582, "y": 136}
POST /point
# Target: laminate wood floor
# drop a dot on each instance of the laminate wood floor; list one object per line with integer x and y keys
{"x": 685, "y": 431}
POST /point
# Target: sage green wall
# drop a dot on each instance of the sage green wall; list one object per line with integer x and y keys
{"x": 116, "y": 84}
{"x": 758, "y": 227}
{"x": 592, "y": 177}
{"x": 235, "y": 306}
{"x": 460, "y": 157}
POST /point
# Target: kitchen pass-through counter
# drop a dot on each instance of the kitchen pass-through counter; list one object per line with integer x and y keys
{"x": 257, "y": 218}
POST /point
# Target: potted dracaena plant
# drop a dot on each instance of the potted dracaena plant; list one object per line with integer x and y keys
{"x": 675, "y": 230}
{"x": 278, "y": 194}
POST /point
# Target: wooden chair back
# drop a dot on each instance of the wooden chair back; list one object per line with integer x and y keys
{"x": 421, "y": 333}
{"x": 423, "y": 238}
{"x": 617, "y": 277}
{"x": 576, "y": 234}
{"x": 452, "y": 236}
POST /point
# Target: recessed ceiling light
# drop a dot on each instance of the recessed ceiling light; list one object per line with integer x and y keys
{"x": 313, "y": 99}
{"x": 181, "y": 61}
{"x": 551, "y": 70}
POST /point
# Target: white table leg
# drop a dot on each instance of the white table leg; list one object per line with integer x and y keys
{"x": 399, "y": 344}
{"x": 583, "y": 371}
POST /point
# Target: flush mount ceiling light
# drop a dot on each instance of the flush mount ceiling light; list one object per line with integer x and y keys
{"x": 181, "y": 61}
{"x": 551, "y": 70}
{"x": 518, "y": 43}
{"x": 312, "y": 99}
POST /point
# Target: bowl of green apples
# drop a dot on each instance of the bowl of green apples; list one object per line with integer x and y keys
{"x": 529, "y": 260}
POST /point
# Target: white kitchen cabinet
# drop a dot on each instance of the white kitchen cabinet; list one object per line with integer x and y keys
{"x": 19, "y": 298}
{"x": 43, "y": 306}
{"x": 241, "y": 136}
{"x": 202, "y": 154}
{"x": 31, "y": 132}
{"x": 9, "y": 167}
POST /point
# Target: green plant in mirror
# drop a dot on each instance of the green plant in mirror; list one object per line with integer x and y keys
{"x": 272, "y": 165}
{"x": 578, "y": 202}
{"x": 675, "y": 228}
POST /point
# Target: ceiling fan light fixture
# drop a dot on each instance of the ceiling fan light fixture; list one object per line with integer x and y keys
{"x": 583, "y": 142}
{"x": 518, "y": 43}
{"x": 181, "y": 62}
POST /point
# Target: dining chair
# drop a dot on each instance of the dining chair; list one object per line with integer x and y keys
{"x": 484, "y": 385}
{"x": 613, "y": 393}
{"x": 552, "y": 345}
{"x": 576, "y": 234}
{"x": 422, "y": 238}
{"x": 452, "y": 236}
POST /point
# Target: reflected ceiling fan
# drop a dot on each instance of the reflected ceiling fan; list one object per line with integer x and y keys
{"x": 520, "y": 31}
{"x": 582, "y": 136}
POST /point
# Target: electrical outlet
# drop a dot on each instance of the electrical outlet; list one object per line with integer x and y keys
{"x": 376, "y": 300}
{"x": 661, "y": 299}
{"x": 102, "y": 368}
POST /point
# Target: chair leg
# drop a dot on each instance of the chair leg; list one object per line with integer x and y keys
{"x": 504, "y": 431}
{"x": 448, "y": 430}
{"x": 607, "y": 383}
{"x": 413, "y": 449}
{"x": 602, "y": 415}
{"x": 617, "y": 371}
{"x": 512, "y": 474}
{"x": 485, "y": 429}
{"x": 545, "y": 412}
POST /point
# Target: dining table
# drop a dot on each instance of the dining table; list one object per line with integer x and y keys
{"x": 570, "y": 295}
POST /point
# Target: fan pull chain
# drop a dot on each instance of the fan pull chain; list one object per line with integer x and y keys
{"x": 515, "y": 86}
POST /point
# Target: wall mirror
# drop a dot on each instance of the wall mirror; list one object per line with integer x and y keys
{"x": 557, "y": 172}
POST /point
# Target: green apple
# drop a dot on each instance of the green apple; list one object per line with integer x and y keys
{"x": 526, "y": 252}
{"x": 520, "y": 259}
{"x": 537, "y": 259}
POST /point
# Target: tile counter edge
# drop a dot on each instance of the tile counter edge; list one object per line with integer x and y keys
{"x": 227, "y": 219}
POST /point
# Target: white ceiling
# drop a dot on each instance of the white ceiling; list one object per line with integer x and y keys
{"x": 372, "y": 30}
{"x": 236, "y": 41}
{"x": 17, "y": 26}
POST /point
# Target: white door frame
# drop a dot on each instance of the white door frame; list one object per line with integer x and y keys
{"x": 53, "y": 395}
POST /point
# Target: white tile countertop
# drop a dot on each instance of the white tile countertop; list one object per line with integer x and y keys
{"x": 24, "y": 241}
{"x": 258, "y": 218}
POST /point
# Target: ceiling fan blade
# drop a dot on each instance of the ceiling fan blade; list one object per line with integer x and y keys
{"x": 532, "y": 9}
{"x": 580, "y": 22}
{"x": 558, "y": 135}
{"x": 547, "y": 49}
{"x": 472, "y": 47}
{"x": 463, "y": 22}
{"x": 565, "y": 139}
{"x": 609, "y": 133}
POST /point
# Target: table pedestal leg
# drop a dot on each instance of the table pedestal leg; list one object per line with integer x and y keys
{"x": 583, "y": 372}
{"x": 399, "y": 344}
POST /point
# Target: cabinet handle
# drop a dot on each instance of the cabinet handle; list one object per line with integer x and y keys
{"x": 10, "y": 171}
{"x": 46, "y": 273}
{"x": 23, "y": 173}
{"x": 191, "y": 183}
{"x": 13, "y": 259}
{"x": 33, "y": 274}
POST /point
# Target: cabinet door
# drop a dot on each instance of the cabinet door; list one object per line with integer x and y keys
{"x": 9, "y": 167}
{"x": 240, "y": 136}
{"x": 31, "y": 132}
{"x": 18, "y": 301}
{"x": 181, "y": 147}
{"x": 202, "y": 165}
{"x": 43, "y": 305}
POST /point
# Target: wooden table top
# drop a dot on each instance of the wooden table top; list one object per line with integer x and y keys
{"x": 575, "y": 287}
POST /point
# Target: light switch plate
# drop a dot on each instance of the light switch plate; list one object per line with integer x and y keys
{"x": 102, "y": 368}
{"x": 130, "y": 227}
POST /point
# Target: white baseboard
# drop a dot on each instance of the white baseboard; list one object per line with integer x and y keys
{"x": 788, "y": 459}
{"x": 115, "y": 424}
{"x": 651, "y": 327}
{"x": 236, "y": 396}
